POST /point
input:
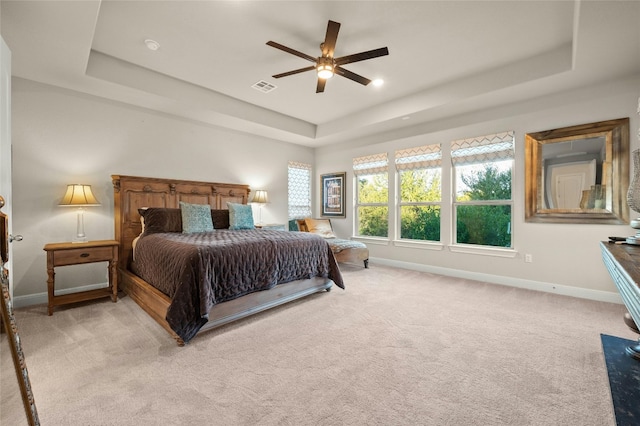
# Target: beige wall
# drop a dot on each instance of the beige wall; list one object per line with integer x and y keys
{"x": 566, "y": 258}
{"x": 62, "y": 137}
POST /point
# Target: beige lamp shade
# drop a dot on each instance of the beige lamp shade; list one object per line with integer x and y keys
{"x": 78, "y": 195}
{"x": 260, "y": 197}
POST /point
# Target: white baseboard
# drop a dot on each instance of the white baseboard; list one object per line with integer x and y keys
{"x": 582, "y": 293}
{"x": 43, "y": 298}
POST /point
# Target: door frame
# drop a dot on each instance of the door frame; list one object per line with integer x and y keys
{"x": 5, "y": 146}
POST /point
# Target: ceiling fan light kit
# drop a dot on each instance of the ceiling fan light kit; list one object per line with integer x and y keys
{"x": 326, "y": 65}
{"x": 325, "y": 68}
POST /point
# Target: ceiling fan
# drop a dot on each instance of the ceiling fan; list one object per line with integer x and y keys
{"x": 326, "y": 65}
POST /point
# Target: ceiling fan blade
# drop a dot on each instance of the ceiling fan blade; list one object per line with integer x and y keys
{"x": 330, "y": 39}
{"x": 292, "y": 51}
{"x": 362, "y": 56}
{"x": 351, "y": 75}
{"x": 284, "y": 74}
{"x": 320, "y": 86}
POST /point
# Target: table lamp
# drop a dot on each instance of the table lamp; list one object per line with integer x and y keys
{"x": 261, "y": 197}
{"x": 79, "y": 196}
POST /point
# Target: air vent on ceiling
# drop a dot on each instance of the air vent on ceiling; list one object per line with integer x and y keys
{"x": 263, "y": 86}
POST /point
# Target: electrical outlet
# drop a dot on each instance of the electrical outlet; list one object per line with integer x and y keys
{"x": 528, "y": 258}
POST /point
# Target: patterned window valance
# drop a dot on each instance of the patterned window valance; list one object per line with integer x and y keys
{"x": 483, "y": 149}
{"x": 370, "y": 164}
{"x": 298, "y": 165}
{"x": 421, "y": 157}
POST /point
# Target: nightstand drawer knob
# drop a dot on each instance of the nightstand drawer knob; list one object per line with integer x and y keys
{"x": 85, "y": 255}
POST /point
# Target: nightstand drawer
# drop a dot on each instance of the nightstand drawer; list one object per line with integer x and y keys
{"x": 82, "y": 255}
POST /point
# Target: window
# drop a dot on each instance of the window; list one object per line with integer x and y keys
{"x": 419, "y": 180}
{"x": 372, "y": 195}
{"x": 483, "y": 204}
{"x": 299, "y": 190}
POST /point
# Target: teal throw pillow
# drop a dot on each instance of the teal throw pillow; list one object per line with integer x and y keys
{"x": 240, "y": 216}
{"x": 196, "y": 218}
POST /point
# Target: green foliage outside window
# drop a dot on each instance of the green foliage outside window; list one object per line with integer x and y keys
{"x": 420, "y": 221}
{"x": 486, "y": 183}
{"x": 484, "y": 225}
{"x": 488, "y": 225}
{"x": 373, "y": 220}
{"x": 420, "y": 185}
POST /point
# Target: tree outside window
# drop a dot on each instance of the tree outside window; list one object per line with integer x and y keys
{"x": 372, "y": 195}
{"x": 419, "y": 180}
{"x": 483, "y": 203}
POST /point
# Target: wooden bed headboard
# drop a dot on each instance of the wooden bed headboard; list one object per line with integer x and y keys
{"x": 133, "y": 192}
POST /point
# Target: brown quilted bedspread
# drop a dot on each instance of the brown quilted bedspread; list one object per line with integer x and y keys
{"x": 199, "y": 270}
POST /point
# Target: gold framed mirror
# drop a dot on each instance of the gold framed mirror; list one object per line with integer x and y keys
{"x": 578, "y": 174}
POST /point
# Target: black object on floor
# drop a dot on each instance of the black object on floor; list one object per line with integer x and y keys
{"x": 624, "y": 379}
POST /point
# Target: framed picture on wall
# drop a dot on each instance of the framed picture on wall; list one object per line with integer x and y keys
{"x": 333, "y": 194}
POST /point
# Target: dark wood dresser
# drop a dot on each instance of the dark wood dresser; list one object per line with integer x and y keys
{"x": 623, "y": 263}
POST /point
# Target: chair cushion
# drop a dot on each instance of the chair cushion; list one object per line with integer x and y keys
{"x": 320, "y": 227}
{"x": 302, "y": 227}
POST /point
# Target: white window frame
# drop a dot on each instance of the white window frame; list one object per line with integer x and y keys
{"x": 481, "y": 150}
{"x": 423, "y": 157}
{"x": 369, "y": 165}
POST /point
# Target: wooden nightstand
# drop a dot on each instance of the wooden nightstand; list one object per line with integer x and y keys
{"x": 63, "y": 254}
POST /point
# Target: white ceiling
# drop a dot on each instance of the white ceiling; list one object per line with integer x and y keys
{"x": 445, "y": 57}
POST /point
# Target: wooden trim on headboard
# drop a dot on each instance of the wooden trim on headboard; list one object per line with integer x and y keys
{"x": 131, "y": 193}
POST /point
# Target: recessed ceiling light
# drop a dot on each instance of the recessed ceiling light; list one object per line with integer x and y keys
{"x": 152, "y": 44}
{"x": 378, "y": 82}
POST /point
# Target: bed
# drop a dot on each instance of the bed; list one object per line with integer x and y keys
{"x": 229, "y": 274}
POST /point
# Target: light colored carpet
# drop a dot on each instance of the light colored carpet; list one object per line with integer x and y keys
{"x": 397, "y": 347}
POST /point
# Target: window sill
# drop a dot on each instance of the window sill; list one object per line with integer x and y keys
{"x": 438, "y": 246}
{"x": 371, "y": 240}
{"x": 484, "y": 251}
{"x": 422, "y": 245}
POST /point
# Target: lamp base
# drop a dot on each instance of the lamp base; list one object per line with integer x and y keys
{"x": 635, "y": 240}
{"x": 80, "y": 235}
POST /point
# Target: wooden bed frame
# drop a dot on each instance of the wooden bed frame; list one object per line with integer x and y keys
{"x": 132, "y": 193}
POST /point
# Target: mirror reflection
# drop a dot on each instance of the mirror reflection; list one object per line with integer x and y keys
{"x": 573, "y": 174}
{"x": 578, "y": 174}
